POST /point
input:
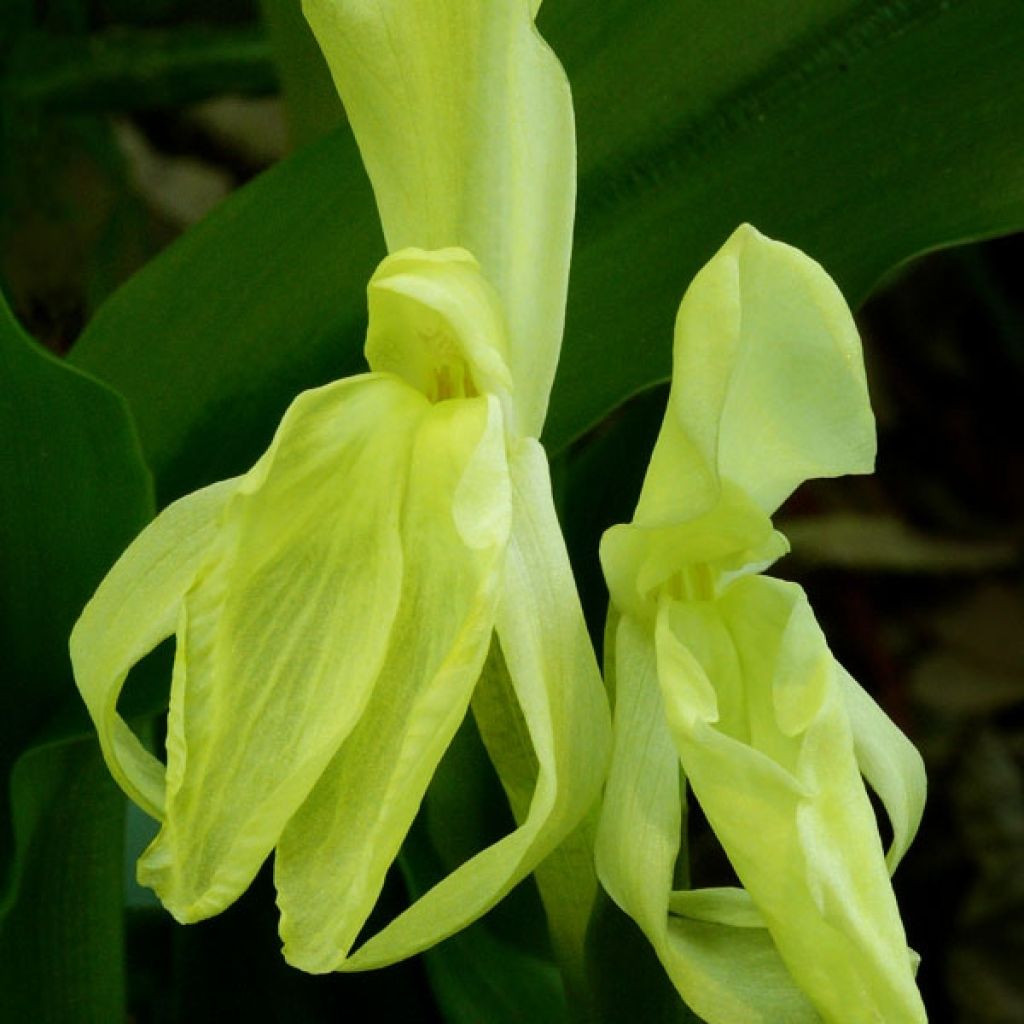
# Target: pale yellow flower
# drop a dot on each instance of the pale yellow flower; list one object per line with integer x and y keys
{"x": 334, "y": 606}
{"x": 724, "y": 673}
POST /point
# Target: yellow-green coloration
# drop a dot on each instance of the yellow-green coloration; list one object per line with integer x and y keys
{"x": 727, "y": 673}
{"x": 333, "y": 607}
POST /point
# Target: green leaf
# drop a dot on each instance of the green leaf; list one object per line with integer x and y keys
{"x": 73, "y": 491}
{"x": 854, "y": 131}
{"x": 61, "y": 942}
{"x": 864, "y": 133}
{"x": 267, "y": 296}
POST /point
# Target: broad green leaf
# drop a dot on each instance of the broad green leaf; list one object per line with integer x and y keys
{"x": 863, "y": 133}
{"x": 73, "y": 489}
{"x": 263, "y": 299}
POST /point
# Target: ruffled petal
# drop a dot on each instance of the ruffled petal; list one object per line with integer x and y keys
{"x": 788, "y": 805}
{"x": 334, "y": 853}
{"x": 464, "y": 119}
{"x": 712, "y": 944}
{"x": 282, "y": 635}
{"x": 768, "y": 385}
{"x": 136, "y": 606}
{"x": 551, "y": 664}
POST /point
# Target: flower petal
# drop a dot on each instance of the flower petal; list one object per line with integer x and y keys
{"x": 436, "y": 322}
{"x": 545, "y": 687}
{"x": 334, "y": 853}
{"x": 282, "y": 636}
{"x": 134, "y": 608}
{"x": 734, "y": 535}
{"x": 789, "y": 806}
{"x": 551, "y": 664}
{"x": 768, "y": 385}
{"x": 713, "y": 946}
{"x": 890, "y": 763}
{"x": 464, "y": 119}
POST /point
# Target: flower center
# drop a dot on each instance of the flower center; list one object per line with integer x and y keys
{"x": 437, "y": 323}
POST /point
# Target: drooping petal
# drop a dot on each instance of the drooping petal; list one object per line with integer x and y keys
{"x": 548, "y": 686}
{"x": 334, "y": 853}
{"x": 136, "y": 606}
{"x": 282, "y": 636}
{"x": 768, "y": 385}
{"x": 714, "y": 947}
{"x": 551, "y": 664}
{"x": 788, "y": 805}
{"x": 464, "y": 120}
{"x": 890, "y": 763}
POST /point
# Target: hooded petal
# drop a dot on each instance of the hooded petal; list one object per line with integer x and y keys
{"x": 135, "y": 607}
{"x": 734, "y": 535}
{"x": 464, "y": 120}
{"x": 282, "y": 635}
{"x": 551, "y": 664}
{"x": 768, "y": 385}
{"x": 713, "y": 945}
{"x": 334, "y": 853}
{"x": 784, "y": 795}
{"x": 436, "y": 322}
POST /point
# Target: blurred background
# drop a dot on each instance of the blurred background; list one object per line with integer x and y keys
{"x": 123, "y": 125}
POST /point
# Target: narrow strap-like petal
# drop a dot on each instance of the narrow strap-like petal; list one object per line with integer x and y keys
{"x": 333, "y": 855}
{"x": 641, "y": 814}
{"x": 723, "y": 963}
{"x": 546, "y": 637}
{"x": 464, "y": 119}
{"x": 282, "y": 636}
{"x": 890, "y": 763}
{"x": 551, "y": 664}
{"x": 768, "y": 385}
{"x": 135, "y": 607}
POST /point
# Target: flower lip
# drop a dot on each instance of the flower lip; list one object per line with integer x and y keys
{"x": 437, "y": 323}
{"x": 689, "y": 560}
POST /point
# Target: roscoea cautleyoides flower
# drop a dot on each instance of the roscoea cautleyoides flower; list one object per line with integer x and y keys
{"x": 726, "y": 673}
{"x": 333, "y": 607}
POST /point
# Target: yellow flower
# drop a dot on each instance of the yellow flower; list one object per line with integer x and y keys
{"x": 334, "y": 606}
{"x": 725, "y": 672}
